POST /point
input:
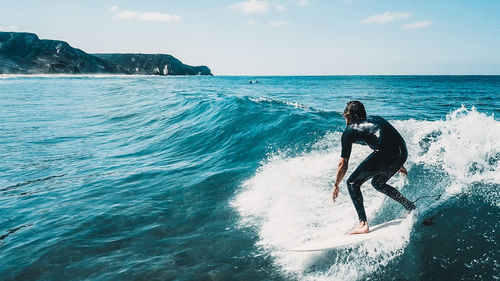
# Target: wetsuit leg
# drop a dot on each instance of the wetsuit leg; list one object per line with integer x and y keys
{"x": 363, "y": 172}
{"x": 379, "y": 183}
{"x": 391, "y": 162}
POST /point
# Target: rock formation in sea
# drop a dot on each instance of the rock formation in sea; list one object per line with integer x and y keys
{"x": 25, "y": 53}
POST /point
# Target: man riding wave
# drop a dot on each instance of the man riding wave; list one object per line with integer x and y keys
{"x": 388, "y": 156}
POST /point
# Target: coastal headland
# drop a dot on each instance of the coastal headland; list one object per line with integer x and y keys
{"x": 25, "y": 53}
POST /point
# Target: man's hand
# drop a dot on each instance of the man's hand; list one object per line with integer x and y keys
{"x": 335, "y": 193}
{"x": 403, "y": 171}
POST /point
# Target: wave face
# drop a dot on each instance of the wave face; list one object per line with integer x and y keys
{"x": 289, "y": 201}
{"x": 212, "y": 178}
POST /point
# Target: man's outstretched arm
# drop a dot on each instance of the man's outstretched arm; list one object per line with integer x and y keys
{"x": 341, "y": 171}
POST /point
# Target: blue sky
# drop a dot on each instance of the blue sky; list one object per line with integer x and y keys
{"x": 279, "y": 37}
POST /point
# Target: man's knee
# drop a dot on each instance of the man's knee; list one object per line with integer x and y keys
{"x": 350, "y": 181}
{"x": 351, "y": 184}
{"x": 378, "y": 184}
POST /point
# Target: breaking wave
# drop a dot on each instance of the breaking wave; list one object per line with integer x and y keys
{"x": 288, "y": 199}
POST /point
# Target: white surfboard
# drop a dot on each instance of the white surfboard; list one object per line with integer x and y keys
{"x": 379, "y": 230}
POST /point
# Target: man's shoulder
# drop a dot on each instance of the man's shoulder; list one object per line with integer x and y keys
{"x": 348, "y": 131}
{"x": 375, "y": 118}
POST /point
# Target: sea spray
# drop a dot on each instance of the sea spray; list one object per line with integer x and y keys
{"x": 289, "y": 198}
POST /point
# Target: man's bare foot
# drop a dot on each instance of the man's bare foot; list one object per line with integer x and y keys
{"x": 360, "y": 229}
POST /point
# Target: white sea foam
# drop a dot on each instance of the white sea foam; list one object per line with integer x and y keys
{"x": 466, "y": 145}
{"x": 288, "y": 200}
{"x": 269, "y": 100}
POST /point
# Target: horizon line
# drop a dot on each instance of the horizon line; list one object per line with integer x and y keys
{"x": 104, "y": 75}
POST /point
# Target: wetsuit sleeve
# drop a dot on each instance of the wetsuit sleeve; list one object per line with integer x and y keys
{"x": 346, "y": 144}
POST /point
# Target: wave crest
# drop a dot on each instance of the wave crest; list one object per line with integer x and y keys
{"x": 288, "y": 199}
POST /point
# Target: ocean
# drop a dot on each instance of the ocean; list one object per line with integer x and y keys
{"x": 214, "y": 178}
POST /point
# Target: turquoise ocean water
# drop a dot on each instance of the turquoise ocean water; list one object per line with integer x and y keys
{"x": 212, "y": 178}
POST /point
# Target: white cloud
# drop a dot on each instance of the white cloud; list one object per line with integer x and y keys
{"x": 9, "y": 28}
{"x": 280, "y": 8}
{"x": 126, "y": 15}
{"x": 386, "y": 17}
{"x": 251, "y": 7}
{"x": 252, "y": 22}
{"x": 416, "y": 25}
{"x": 144, "y": 16}
{"x": 303, "y": 2}
{"x": 278, "y": 23}
{"x": 156, "y": 16}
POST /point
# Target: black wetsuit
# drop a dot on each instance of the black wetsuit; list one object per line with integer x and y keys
{"x": 388, "y": 156}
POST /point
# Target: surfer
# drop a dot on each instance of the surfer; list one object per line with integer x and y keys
{"x": 388, "y": 156}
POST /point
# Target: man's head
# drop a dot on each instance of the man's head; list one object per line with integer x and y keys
{"x": 354, "y": 112}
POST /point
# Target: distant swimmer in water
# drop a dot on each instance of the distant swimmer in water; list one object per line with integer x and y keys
{"x": 388, "y": 156}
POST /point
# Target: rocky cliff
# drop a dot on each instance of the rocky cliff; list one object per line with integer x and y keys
{"x": 153, "y": 64}
{"x": 25, "y": 53}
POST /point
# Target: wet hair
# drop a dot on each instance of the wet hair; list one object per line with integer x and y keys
{"x": 354, "y": 112}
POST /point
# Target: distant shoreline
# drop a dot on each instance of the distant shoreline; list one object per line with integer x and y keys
{"x": 24, "y": 53}
{"x": 48, "y": 75}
